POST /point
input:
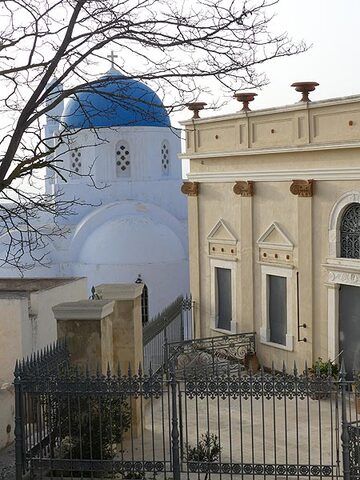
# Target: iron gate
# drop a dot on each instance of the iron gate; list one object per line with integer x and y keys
{"x": 222, "y": 421}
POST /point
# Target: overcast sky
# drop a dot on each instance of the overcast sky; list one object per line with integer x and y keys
{"x": 333, "y": 29}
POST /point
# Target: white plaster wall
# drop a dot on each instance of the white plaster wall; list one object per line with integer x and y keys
{"x": 165, "y": 281}
{"x": 27, "y": 324}
{"x": 146, "y": 182}
{"x": 12, "y": 313}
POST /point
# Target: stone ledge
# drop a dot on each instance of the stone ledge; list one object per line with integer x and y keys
{"x": 83, "y": 310}
{"x": 119, "y": 291}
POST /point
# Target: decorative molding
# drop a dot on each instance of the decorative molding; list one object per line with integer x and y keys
{"x": 350, "y": 173}
{"x": 302, "y": 188}
{"x": 346, "y": 278}
{"x": 265, "y": 239}
{"x": 273, "y": 150}
{"x": 343, "y": 271}
{"x": 229, "y": 238}
{"x": 244, "y": 188}
{"x": 287, "y": 108}
{"x": 190, "y": 188}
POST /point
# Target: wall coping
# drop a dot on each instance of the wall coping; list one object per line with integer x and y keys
{"x": 119, "y": 291}
{"x": 83, "y": 310}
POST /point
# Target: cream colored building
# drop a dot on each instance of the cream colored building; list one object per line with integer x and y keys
{"x": 27, "y": 324}
{"x": 274, "y": 228}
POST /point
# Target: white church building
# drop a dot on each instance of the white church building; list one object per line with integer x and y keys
{"x": 133, "y": 222}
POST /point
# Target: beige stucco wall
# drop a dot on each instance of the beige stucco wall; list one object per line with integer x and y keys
{"x": 271, "y": 160}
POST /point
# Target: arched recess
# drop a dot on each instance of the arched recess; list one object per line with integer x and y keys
{"x": 335, "y": 220}
{"x": 118, "y": 209}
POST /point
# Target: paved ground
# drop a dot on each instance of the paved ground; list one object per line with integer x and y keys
{"x": 7, "y": 463}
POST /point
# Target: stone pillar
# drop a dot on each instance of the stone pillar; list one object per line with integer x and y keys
{"x": 127, "y": 336}
{"x": 127, "y": 323}
{"x": 88, "y": 327}
{"x": 194, "y": 263}
{"x": 246, "y": 273}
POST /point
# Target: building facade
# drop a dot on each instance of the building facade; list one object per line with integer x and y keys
{"x": 118, "y": 161}
{"x": 274, "y": 229}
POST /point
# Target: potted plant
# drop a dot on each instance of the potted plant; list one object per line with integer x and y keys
{"x": 206, "y": 451}
{"x": 321, "y": 378}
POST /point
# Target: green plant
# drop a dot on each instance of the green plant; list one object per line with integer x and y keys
{"x": 207, "y": 450}
{"x": 134, "y": 475}
{"x": 324, "y": 368}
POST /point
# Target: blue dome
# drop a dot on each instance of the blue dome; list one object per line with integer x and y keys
{"x": 115, "y": 101}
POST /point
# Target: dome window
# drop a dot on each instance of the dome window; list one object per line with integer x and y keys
{"x": 165, "y": 157}
{"x": 122, "y": 160}
{"x": 75, "y": 161}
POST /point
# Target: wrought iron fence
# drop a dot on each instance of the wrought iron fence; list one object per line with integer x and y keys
{"x": 212, "y": 352}
{"x": 174, "y": 324}
{"x": 197, "y": 423}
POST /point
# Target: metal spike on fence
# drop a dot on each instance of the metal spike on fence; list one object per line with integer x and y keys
{"x": 17, "y": 369}
{"x": 129, "y": 370}
{"x": 295, "y": 369}
{"x": 118, "y": 370}
{"x": 329, "y": 369}
{"x": 272, "y": 368}
{"x": 342, "y": 369}
{"x": 284, "y": 367}
{"x": 140, "y": 370}
{"x": 97, "y": 369}
{"x": 306, "y": 370}
{"x": 108, "y": 372}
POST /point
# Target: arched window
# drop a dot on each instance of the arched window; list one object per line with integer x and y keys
{"x": 75, "y": 161}
{"x": 165, "y": 157}
{"x": 350, "y": 232}
{"x": 144, "y": 301}
{"x": 122, "y": 159}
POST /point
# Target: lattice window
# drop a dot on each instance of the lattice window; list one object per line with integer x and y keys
{"x": 350, "y": 232}
{"x": 76, "y": 162}
{"x": 122, "y": 160}
{"x": 165, "y": 158}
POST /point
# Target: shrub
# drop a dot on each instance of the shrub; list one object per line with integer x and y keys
{"x": 206, "y": 451}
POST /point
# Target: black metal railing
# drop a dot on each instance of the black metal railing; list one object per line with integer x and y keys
{"x": 211, "y": 352}
{"x": 173, "y": 324}
{"x": 218, "y": 421}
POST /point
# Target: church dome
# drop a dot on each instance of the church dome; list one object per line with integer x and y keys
{"x": 132, "y": 240}
{"x": 115, "y": 101}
